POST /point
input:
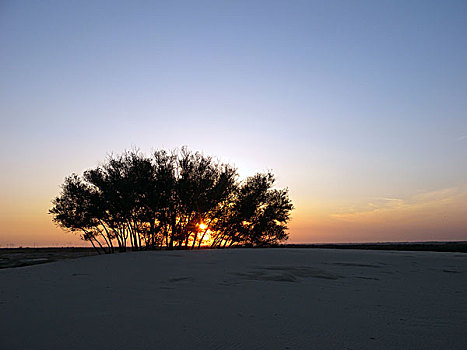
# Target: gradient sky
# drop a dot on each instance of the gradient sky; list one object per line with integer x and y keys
{"x": 359, "y": 107}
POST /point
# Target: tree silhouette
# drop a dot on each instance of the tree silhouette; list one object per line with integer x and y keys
{"x": 171, "y": 199}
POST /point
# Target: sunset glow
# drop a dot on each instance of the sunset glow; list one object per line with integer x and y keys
{"x": 358, "y": 108}
{"x": 241, "y": 174}
{"x": 206, "y": 238}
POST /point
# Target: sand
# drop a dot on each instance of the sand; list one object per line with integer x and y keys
{"x": 17, "y": 257}
{"x": 238, "y": 299}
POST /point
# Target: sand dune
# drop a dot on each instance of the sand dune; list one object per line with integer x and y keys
{"x": 238, "y": 299}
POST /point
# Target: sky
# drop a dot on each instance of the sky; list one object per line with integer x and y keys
{"x": 358, "y": 107}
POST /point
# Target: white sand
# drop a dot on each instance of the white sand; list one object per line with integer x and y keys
{"x": 238, "y": 299}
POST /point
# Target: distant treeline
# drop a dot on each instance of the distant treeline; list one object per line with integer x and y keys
{"x": 460, "y": 247}
{"x": 171, "y": 199}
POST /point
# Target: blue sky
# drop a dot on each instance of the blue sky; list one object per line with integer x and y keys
{"x": 348, "y": 102}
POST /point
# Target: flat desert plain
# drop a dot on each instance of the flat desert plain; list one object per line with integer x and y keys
{"x": 238, "y": 299}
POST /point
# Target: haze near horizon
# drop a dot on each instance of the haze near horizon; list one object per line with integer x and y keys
{"x": 359, "y": 108}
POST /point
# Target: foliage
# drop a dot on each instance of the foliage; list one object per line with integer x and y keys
{"x": 171, "y": 199}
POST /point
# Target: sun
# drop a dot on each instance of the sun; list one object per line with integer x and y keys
{"x": 202, "y": 226}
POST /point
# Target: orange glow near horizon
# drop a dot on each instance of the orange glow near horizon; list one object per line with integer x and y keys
{"x": 423, "y": 216}
{"x": 204, "y": 235}
{"x": 426, "y": 216}
{"x": 207, "y": 239}
{"x": 371, "y": 145}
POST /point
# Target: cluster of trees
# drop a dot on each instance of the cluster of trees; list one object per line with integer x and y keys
{"x": 171, "y": 199}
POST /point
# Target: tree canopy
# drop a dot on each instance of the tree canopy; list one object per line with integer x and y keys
{"x": 172, "y": 199}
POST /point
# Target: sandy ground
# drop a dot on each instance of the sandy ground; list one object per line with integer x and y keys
{"x": 18, "y": 257}
{"x": 238, "y": 299}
